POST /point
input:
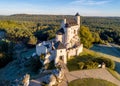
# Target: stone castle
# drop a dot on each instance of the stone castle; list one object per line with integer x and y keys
{"x": 66, "y": 43}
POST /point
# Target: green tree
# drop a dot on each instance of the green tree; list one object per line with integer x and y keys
{"x": 32, "y": 40}
{"x": 96, "y": 37}
{"x": 86, "y": 36}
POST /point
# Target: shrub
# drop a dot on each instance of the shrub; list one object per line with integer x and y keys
{"x": 5, "y": 59}
{"x": 109, "y": 63}
{"x": 87, "y": 61}
{"x": 90, "y": 65}
{"x": 81, "y": 65}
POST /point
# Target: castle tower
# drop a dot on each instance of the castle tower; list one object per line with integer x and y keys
{"x": 77, "y": 17}
{"x": 64, "y": 21}
{"x": 67, "y": 35}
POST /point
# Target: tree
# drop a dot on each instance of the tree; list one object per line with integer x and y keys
{"x": 86, "y": 36}
{"x": 96, "y": 37}
{"x": 32, "y": 40}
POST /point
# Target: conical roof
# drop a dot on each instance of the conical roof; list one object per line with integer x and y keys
{"x": 60, "y": 31}
{"x": 77, "y": 14}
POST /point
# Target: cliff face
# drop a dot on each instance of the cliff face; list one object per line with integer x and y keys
{"x": 18, "y": 68}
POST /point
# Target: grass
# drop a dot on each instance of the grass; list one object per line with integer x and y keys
{"x": 88, "y": 59}
{"x": 114, "y": 73}
{"x": 90, "y": 82}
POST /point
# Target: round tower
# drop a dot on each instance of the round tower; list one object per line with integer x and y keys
{"x": 67, "y": 35}
{"x": 77, "y": 17}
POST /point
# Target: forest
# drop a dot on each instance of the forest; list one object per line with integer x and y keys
{"x": 30, "y": 29}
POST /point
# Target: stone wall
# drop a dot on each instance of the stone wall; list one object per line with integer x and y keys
{"x": 74, "y": 51}
{"x": 61, "y": 53}
{"x": 40, "y": 49}
{"x": 59, "y": 38}
{"x": 79, "y": 49}
{"x": 71, "y": 34}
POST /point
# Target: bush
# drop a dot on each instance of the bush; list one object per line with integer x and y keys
{"x": 5, "y": 59}
{"x": 32, "y": 40}
{"x": 35, "y": 64}
{"x": 81, "y": 65}
{"x": 88, "y": 62}
{"x": 109, "y": 63}
{"x": 90, "y": 65}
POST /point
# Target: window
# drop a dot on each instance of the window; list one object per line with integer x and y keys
{"x": 61, "y": 51}
{"x": 74, "y": 31}
{"x": 61, "y": 58}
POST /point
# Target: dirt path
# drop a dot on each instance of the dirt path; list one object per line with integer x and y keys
{"x": 94, "y": 73}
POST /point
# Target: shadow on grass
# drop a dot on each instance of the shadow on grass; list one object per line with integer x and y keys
{"x": 106, "y": 50}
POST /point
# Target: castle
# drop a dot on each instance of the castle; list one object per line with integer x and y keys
{"x": 66, "y": 43}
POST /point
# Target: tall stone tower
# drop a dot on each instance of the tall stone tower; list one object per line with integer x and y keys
{"x": 77, "y": 18}
{"x": 71, "y": 28}
{"x": 68, "y": 34}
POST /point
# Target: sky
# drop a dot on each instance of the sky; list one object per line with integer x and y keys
{"x": 61, "y": 7}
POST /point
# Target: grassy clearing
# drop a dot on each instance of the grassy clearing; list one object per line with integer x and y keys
{"x": 90, "y": 82}
{"x": 88, "y": 60}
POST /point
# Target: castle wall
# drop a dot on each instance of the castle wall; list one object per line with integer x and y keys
{"x": 61, "y": 55}
{"x": 40, "y": 49}
{"x": 71, "y": 32}
{"x": 69, "y": 38}
{"x": 59, "y": 38}
{"x": 79, "y": 49}
{"x": 71, "y": 52}
{"x": 74, "y": 51}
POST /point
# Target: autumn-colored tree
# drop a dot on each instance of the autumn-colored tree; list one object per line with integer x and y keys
{"x": 32, "y": 40}
{"x": 86, "y": 36}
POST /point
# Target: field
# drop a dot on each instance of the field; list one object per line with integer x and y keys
{"x": 91, "y": 82}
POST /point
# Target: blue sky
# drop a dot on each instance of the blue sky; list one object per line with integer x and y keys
{"x": 57, "y": 7}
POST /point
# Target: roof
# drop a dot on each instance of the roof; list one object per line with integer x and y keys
{"x": 59, "y": 45}
{"x": 71, "y": 22}
{"x": 60, "y": 31}
{"x": 47, "y": 45}
{"x": 77, "y": 14}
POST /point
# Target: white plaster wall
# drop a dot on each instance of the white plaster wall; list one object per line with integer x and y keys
{"x": 75, "y": 51}
{"x": 40, "y": 49}
{"x": 69, "y": 35}
{"x": 59, "y": 53}
{"x": 79, "y": 49}
{"x": 59, "y": 38}
{"x": 71, "y": 52}
{"x": 78, "y": 19}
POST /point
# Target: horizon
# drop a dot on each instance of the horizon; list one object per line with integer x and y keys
{"x": 103, "y": 8}
{"x": 54, "y": 15}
